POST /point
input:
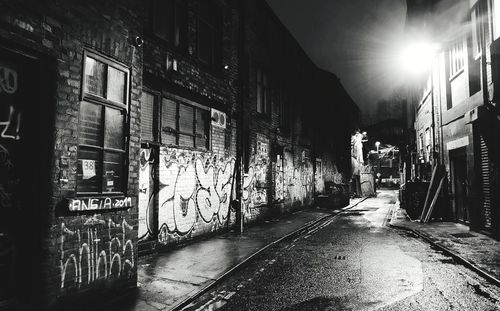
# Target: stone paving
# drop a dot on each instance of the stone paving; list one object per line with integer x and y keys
{"x": 479, "y": 251}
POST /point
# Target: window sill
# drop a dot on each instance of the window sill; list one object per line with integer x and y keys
{"x": 456, "y": 74}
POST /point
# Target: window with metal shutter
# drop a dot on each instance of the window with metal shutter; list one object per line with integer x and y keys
{"x": 485, "y": 187}
{"x": 169, "y": 122}
{"x": 147, "y": 104}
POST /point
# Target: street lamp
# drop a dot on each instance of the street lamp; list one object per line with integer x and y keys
{"x": 377, "y": 144}
{"x": 417, "y": 57}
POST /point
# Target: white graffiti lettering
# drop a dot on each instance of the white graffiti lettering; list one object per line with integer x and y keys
{"x": 8, "y": 80}
{"x": 195, "y": 190}
{"x": 11, "y": 125}
{"x": 93, "y": 204}
{"x": 98, "y": 256}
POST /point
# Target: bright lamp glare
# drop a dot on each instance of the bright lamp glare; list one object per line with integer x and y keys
{"x": 417, "y": 58}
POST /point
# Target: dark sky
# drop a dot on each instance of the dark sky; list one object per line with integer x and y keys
{"x": 355, "y": 39}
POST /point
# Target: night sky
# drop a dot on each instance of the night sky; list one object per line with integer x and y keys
{"x": 355, "y": 39}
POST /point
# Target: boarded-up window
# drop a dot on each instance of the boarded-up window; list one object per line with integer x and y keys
{"x": 184, "y": 125}
{"x": 147, "y": 109}
{"x": 169, "y": 122}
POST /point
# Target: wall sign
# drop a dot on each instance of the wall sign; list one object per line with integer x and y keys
{"x": 95, "y": 204}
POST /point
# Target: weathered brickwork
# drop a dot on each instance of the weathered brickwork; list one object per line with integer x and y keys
{"x": 80, "y": 252}
{"x": 280, "y": 170}
{"x": 194, "y": 186}
{"x": 85, "y": 246}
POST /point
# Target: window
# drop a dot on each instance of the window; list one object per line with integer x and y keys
{"x": 457, "y": 58}
{"x": 148, "y": 133}
{"x": 427, "y": 144}
{"x": 421, "y": 143}
{"x": 102, "y": 123}
{"x": 263, "y": 92}
{"x": 170, "y": 21}
{"x": 481, "y": 27}
{"x": 184, "y": 125}
{"x": 285, "y": 110}
{"x": 209, "y": 33}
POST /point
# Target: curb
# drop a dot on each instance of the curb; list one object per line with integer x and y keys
{"x": 253, "y": 256}
{"x": 490, "y": 278}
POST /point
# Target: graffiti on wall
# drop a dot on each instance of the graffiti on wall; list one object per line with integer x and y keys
{"x": 104, "y": 250}
{"x": 93, "y": 204}
{"x": 319, "y": 182}
{"x": 10, "y": 118}
{"x": 195, "y": 190}
{"x": 299, "y": 178}
{"x": 10, "y": 123}
{"x": 146, "y": 195}
{"x": 253, "y": 195}
{"x": 279, "y": 182}
{"x": 328, "y": 173}
{"x": 255, "y": 181}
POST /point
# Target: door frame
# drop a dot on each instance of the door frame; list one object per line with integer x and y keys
{"x": 454, "y": 155}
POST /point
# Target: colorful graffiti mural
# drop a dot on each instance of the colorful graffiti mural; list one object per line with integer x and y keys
{"x": 97, "y": 256}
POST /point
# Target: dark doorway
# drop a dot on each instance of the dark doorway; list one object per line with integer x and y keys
{"x": 460, "y": 184}
{"x": 26, "y": 120}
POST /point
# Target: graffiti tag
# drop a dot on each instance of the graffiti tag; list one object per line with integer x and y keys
{"x": 98, "y": 256}
{"x": 92, "y": 204}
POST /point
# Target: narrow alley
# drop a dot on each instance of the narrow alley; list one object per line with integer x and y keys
{"x": 167, "y": 155}
{"x": 354, "y": 261}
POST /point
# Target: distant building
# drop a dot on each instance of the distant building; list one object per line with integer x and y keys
{"x": 456, "y": 119}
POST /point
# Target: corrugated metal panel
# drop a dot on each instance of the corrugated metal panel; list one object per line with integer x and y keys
{"x": 486, "y": 191}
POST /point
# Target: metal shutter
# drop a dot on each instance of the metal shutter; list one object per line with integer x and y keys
{"x": 485, "y": 185}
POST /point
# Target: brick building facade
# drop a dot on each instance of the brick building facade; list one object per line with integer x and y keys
{"x": 128, "y": 128}
{"x": 456, "y": 119}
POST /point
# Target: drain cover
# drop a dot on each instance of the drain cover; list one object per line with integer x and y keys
{"x": 463, "y": 235}
{"x": 338, "y": 257}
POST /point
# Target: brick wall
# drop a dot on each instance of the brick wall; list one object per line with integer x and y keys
{"x": 280, "y": 170}
{"x": 87, "y": 251}
{"x": 195, "y": 185}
